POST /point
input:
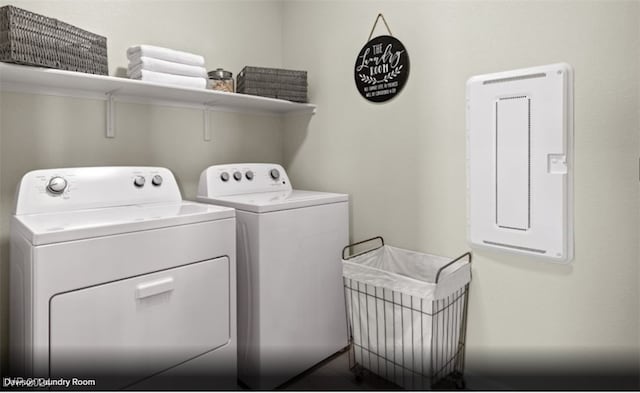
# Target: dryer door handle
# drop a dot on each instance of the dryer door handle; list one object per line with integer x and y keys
{"x": 153, "y": 288}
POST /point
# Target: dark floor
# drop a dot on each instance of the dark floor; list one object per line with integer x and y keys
{"x": 334, "y": 374}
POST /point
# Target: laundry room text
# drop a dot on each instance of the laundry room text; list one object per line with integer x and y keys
{"x": 20, "y": 382}
{"x": 381, "y": 68}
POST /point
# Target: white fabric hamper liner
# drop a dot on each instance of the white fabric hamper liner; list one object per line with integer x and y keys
{"x": 392, "y": 299}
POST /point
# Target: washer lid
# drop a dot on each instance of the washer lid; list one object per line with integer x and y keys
{"x": 47, "y": 228}
{"x": 264, "y": 202}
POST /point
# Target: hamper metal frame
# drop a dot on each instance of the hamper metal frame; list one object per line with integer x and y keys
{"x": 448, "y": 318}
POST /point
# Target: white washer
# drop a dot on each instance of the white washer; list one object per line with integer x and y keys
{"x": 291, "y": 311}
{"x": 115, "y": 278}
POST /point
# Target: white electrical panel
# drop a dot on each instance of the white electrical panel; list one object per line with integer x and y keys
{"x": 520, "y": 161}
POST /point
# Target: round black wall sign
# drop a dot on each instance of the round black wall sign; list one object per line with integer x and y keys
{"x": 381, "y": 69}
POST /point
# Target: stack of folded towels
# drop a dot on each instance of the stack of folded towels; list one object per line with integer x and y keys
{"x": 167, "y": 66}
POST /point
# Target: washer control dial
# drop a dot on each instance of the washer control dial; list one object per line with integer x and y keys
{"x": 237, "y": 175}
{"x": 57, "y": 185}
{"x": 139, "y": 181}
{"x": 274, "y": 173}
{"x": 224, "y": 176}
{"x": 156, "y": 180}
{"x": 249, "y": 175}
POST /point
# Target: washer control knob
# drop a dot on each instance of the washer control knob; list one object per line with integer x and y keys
{"x": 275, "y": 174}
{"x": 237, "y": 175}
{"x": 57, "y": 185}
{"x": 249, "y": 175}
{"x": 224, "y": 176}
{"x": 139, "y": 181}
{"x": 156, "y": 180}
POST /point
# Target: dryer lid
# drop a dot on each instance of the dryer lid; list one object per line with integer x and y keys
{"x": 56, "y": 227}
{"x": 264, "y": 202}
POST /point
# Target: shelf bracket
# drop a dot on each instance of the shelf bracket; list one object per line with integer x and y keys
{"x": 206, "y": 122}
{"x": 110, "y": 131}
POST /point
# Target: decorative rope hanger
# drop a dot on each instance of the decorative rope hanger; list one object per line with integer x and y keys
{"x": 376, "y": 22}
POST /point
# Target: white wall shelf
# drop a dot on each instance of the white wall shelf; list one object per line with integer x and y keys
{"x": 17, "y": 78}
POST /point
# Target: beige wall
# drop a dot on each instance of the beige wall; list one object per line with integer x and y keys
{"x": 403, "y": 162}
{"x": 43, "y": 132}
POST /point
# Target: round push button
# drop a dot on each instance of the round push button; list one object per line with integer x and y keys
{"x": 275, "y": 174}
{"x": 139, "y": 181}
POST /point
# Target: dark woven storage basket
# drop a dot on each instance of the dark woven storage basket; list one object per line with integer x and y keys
{"x": 273, "y": 83}
{"x": 33, "y": 39}
{"x": 283, "y": 94}
{"x": 273, "y": 75}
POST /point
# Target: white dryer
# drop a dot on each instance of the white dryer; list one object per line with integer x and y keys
{"x": 291, "y": 310}
{"x": 115, "y": 278}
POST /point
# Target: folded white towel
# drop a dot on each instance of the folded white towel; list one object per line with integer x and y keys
{"x": 169, "y": 79}
{"x": 169, "y": 67}
{"x": 135, "y": 52}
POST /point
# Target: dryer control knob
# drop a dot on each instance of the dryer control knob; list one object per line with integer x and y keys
{"x": 224, "y": 176}
{"x": 139, "y": 181}
{"x": 249, "y": 175}
{"x": 156, "y": 180}
{"x": 237, "y": 175}
{"x": 275, "y": 174}
{"x": 57, "y": 185}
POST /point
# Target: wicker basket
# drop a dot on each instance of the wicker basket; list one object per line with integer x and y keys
{"x": 274, "y": 83}
{"x": 33, "y": 39}
{"x": 273, "y": 74}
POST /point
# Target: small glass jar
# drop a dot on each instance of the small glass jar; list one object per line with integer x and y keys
{"x": 221, "y": 80}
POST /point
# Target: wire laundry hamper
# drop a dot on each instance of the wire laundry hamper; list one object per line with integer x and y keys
{"x": 407, "y": 315}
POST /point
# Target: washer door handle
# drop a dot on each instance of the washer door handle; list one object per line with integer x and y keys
{"x": 153, "y": 288}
